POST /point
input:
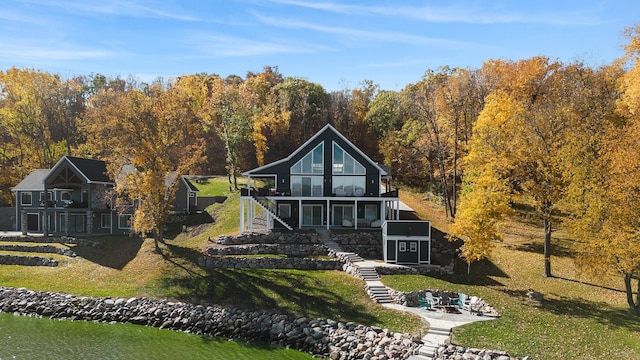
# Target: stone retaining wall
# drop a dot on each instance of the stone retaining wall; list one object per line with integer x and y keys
{"x": 363, "y": 243}
{"x": 293, "y": 250}
{"x": 415, "y": 269}
{"x": 270, "y": 238}
{"x": 219, "y": 262}
{"x": 27, "y": 260}
{"x": 52, "y": 239}
{"x": 324, "y": 338}
{"x": 50, "y": 249}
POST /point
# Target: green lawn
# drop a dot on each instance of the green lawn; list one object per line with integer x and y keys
{"x": 580, "y": 317}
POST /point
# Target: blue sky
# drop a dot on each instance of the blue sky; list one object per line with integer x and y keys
{"x": 337, "y": 44}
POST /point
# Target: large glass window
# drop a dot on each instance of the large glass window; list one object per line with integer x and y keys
{"x": 312, "y": 163}
{"x": 306, "y": 185}
{"x": 345, "y": 164}
{"x": 348, "y": 185}
{"x": 312, "y": 215}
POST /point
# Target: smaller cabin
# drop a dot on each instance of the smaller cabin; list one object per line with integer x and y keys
{"x": 406, "y": 242}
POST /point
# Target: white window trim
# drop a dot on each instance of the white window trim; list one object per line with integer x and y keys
{"x": 24, "y": 203}
{"x": 120, "y": 217}
{"x": 345, "y": 153}
{"x": 312, "y": 173}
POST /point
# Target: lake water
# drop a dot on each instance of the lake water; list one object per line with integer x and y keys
{"x": 35, "y": 338}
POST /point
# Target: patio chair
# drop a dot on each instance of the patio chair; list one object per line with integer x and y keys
{"x": 434, "y": 300}
{"x": 460, "y": 300}
{"x": 423, "y": 302}
{"x": 472, "y": 305}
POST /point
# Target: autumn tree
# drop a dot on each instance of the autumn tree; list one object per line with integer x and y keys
{"x": 534, "y": 102}
{"x": 149, "y": 138}
{"x": 229, "y": 111}
{"x": 608, "y": 222}
{"x": 428, "y": 107}
{"x": 483, "y": 206}
{"x": 38, "y": 121}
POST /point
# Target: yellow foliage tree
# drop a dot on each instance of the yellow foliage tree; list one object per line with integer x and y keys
{"x": 485, "y": 197}
{"x": 483, "y": 205}
{"x": 609, "y": 225}
{"x": 149, "y": 140}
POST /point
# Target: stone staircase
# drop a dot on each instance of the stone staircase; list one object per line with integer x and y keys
{"x": 435, "y": 336}
{"x": 379, "y": 293}
{"x": 374, "y": 287}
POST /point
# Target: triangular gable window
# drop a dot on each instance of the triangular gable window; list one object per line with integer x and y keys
{"x": 312, "y": 163}
{"x": 345, "y": 164}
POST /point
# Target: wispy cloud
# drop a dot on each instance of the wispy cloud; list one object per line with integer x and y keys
{"x": 20, "y": 52}
{"x": 386, "y": 36}
{"x": 231, "y": 46}
{"x": 117, "y": 7}
{"x": 470, "y": 13}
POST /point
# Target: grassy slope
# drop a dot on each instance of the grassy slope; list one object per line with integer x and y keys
{"x": 579, "y": 318}
{"x": 129, "y": 267}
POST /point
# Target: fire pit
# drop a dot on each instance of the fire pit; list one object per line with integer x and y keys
{"x": 450, "y": 309}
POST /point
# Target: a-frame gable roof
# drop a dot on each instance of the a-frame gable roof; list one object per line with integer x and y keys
{"x": 91, "y": 171}
{"x": 269, "y": 169}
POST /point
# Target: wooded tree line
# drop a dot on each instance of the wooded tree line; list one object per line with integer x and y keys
{"x": 561, "y": 135}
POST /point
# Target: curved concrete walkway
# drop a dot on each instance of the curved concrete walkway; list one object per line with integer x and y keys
{"x": 440, "y": 323}
{"x": 440, "y": 326}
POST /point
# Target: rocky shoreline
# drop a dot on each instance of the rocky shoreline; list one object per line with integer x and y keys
{"x": 320, "y": 337}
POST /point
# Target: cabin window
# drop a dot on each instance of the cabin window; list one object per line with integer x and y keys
{"x": 306, "y": 186}
{"x": 284, "y": 211}
{"x": 105, "y": 221}
{"x": 49, "y": 196}
{"x": 348, "y": 185}
{"x": 345, "y": 164}
{"x": 371, "y": 212}
{"x": 124, "y": 221}
{"x": 65, "y": 195}
{"x": 25, "y": 198}
{"x": 312, "y": 163}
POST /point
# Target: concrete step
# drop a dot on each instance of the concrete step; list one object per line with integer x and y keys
{"x": 433, "y": 330}
{"x": 427, "y": 352}
{"x": 440, "y": 332}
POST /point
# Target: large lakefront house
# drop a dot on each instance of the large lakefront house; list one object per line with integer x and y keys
{"x": 75, "y": 197}
{"x": 327, "y": 182}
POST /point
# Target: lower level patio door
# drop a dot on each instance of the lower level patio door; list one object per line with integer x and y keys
{"x": 312, "y": 215}
{"x": 342, "y": 212}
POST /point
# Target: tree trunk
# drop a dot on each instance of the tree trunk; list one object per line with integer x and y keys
{"x": 547, "y": 247}
{"x": 634, "y": 304}
{"x": 157, "y": 239}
